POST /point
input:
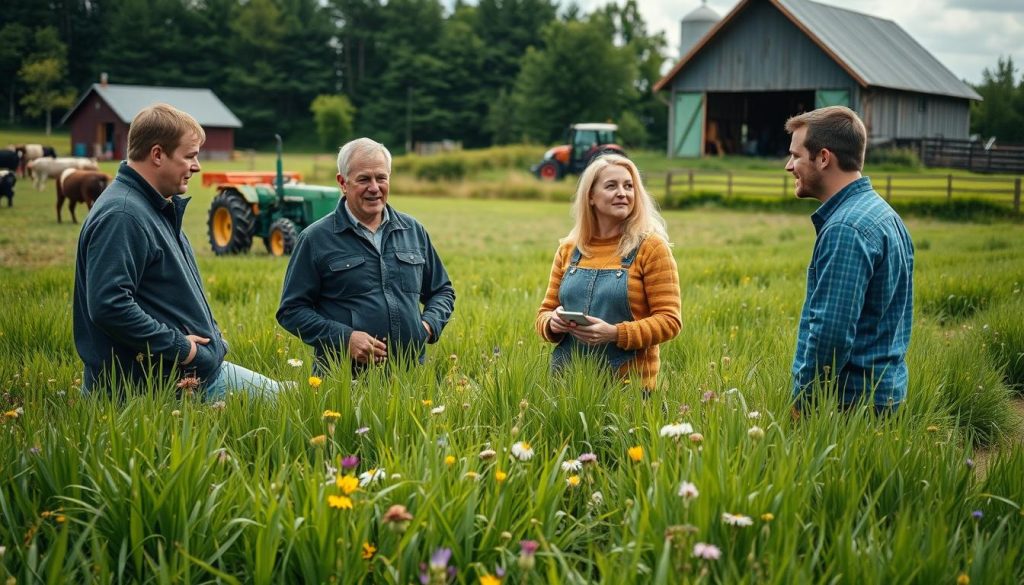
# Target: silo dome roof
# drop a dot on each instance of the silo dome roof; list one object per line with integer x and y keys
{"x": 702, "y": 14}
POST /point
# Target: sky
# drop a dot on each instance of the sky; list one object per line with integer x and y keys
{"x": 967, "y": 36}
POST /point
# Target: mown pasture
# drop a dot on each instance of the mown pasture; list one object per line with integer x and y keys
{"x": 164, "y": 489}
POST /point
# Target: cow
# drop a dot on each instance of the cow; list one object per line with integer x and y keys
{"x": 44, "y": 168}
{"x": 9, "y": 159}
{"x": 30, "y": 152}
{"x": 7, "y": 181}
{"x": 79, "y": 186}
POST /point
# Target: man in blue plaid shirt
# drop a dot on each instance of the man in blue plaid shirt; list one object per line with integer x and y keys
{"x": 855, "y": 324}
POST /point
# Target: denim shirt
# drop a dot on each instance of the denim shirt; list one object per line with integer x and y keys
{"x": 856, "y": 320}
{"x": 338, "y": 282}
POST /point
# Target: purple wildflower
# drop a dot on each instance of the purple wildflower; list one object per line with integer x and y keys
{"x": 528, "y": 547}
{"x": 977, "y": 514}
{"x": 362, "y": 431}
{"x": 350, "y": 461}
{"x": 586, "y": 458}
{"x": 439, "y": 560}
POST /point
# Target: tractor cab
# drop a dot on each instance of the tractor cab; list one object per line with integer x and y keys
{"x": 273, "y": 206}
{"x": 583, "y": 143}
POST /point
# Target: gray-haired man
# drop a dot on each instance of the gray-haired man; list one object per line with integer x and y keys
{"x": 366, "y": 278}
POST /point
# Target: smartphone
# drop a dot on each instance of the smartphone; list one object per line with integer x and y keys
{"x": 573, "y": 316}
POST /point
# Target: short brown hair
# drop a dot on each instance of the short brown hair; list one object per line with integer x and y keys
{"x": 836, "y": 128}
{"x": 163, "y": 125}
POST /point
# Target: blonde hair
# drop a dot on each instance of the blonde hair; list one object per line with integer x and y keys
{"x": 162, "y": 125}
{"x": 643, "y": 221}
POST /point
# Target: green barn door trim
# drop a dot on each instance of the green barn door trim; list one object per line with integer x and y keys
{"x": 831, "y": 97}
{"x": 688, "y": 125}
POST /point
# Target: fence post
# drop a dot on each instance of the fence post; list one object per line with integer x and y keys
{"x": 668, "y": 189}
{"x": 730, "y": 184}
{"x": 888, "y": 187}
{"x": 689, "y": 176}
{"x": 1016, "y": 196}
{"x": 949, "y": 188}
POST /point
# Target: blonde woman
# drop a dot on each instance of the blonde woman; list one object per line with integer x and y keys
{"x": 614, "y": 287}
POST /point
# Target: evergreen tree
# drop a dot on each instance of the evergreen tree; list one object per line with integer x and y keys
{"x": 16, "y": 40}
{"x": 1001, "y": 114}
{"x": 580, "y": 76}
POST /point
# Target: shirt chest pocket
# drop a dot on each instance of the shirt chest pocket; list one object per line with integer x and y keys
{"x": 346, "y": 275}
{"x": 408, "y": 266}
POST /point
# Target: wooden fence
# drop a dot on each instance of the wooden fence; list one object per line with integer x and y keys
{"x": 967, "y": 154}
{"x": 678, "y": 183}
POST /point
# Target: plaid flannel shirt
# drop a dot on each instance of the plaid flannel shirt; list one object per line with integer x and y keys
{"x": 855, "y": 324}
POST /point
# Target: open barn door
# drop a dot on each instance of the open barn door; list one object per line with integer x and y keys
{"x": 831, "y": 97}
{"x": 688, "y": 125}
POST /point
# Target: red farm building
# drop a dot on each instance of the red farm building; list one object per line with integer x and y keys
{"x": 99, "y": 121}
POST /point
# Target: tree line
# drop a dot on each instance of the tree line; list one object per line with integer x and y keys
{"x": 495, "y": 72}
{"x": 402, "y": 71}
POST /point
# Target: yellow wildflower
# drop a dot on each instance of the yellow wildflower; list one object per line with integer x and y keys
{"x": 449, "y": 460}
{"x": 489, "y": 580}
{"x": 339, "y": 502}
{"x": 427, "y": 402}
{"x": 347, "y": 483}
{"x": 500, "y": 476}
{"x": 573, "y": 480}
{"x": 368, "y": 551}
{"x": 767, "y": 517}
{"x": 331, "y": 415}
{"x": 636, "y": 453}
{"x": 318, "y": 441}
{"x": 963, "y": 579}
{"x": 11, "y": 414}
{"x": 315, "y": 382}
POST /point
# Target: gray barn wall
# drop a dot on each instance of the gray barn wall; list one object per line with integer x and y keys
{"x": 762, "y": 50}
{"x": 900, "y": 114}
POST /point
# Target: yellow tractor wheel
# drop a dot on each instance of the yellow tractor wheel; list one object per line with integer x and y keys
{"x": 230, "y": 223}
{"x": 281, "y": 239}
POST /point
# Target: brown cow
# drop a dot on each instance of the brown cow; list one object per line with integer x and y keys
{"x": 79, "y": 187}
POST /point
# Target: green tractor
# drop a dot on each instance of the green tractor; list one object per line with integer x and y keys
{"x": 264, "y": 205}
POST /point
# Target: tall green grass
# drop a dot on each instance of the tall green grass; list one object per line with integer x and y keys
{"x": 158, "y": 488}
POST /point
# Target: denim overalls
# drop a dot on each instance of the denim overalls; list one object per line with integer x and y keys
{"x": 601, "y": 293}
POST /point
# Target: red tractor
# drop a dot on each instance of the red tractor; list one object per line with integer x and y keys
{"x": 585, "y": 142}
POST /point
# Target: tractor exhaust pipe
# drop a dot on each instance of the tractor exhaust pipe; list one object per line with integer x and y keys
{"x": 279, "y": 183}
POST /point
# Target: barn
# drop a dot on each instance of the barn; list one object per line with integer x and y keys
{"x": 743, "y": 75}
{"x": 99, "y": 120}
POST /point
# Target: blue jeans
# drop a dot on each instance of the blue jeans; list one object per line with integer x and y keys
{"x": 238, "y": 379}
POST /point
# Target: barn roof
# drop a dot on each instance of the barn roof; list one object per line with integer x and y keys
{"x": 874, "y": 51}
{"x": 128, "y": 100}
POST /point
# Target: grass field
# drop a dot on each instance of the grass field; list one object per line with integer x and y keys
{"x": 160, "y": 489}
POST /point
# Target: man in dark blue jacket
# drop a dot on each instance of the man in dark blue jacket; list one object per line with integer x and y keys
{"x": 365, "y": 281}
{"x": 139, "y": 306}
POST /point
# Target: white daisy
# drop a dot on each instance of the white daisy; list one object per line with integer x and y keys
{"x": 688, "y": 490}
{"x": 371, "y": 476}
{"x": 572, "y": 465}
{"x": 522, "y": 451}
{"x": 676, "y": 430}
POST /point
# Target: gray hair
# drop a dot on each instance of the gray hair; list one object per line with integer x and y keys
{"x": 360, "y": 146}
